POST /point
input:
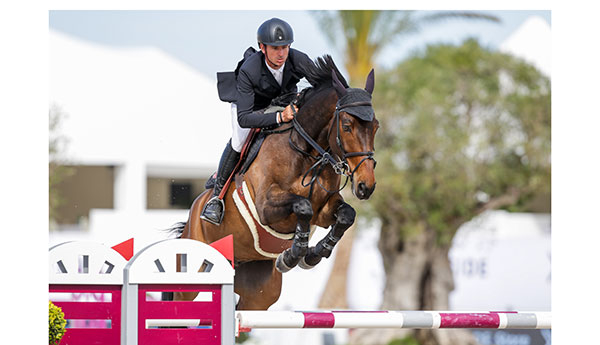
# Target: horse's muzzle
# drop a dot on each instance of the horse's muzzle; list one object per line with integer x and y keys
{"x": 363, "y": 191}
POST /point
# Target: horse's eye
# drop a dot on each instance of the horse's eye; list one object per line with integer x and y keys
{"x": 347, "y": 128}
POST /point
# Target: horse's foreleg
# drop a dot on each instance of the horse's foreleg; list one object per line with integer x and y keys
{"x": 290, "y": 257}
{"x": 277, "y": 205}
{"x": 345, "y": 216}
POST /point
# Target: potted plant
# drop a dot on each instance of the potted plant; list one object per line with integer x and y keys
{"x": 56, "y": 324}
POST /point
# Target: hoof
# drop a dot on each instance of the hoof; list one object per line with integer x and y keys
{"x": 310, "y": 260}
{"x": 302, "y": 264}
{"x": 280, "y": 265}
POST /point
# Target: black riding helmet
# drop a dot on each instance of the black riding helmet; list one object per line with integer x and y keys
{"x": 275, "y": 32}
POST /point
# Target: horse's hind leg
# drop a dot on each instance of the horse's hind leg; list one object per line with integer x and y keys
{"x": 258, "y": 283}
{"x": 184, "y": 296}
{"x": 345, "y": 216}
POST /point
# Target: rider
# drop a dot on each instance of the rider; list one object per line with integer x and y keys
{"x": 273, "y": 71}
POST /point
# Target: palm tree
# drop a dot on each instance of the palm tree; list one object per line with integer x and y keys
{"x": 361, "y": 36}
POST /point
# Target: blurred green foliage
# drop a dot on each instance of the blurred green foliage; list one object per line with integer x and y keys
{"x": 361, "y": 35}
{"x": 409, "y": 340}
{"x": 242, "y": 338}
{"x": 56, "y": 324}
{"x": 57, "y": 170}
{"x": 463, "y": 129}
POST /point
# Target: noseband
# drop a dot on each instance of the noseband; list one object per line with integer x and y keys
{"x": 324, "y": 158}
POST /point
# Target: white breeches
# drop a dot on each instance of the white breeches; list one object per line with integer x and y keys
{"x": 239, "y": 134}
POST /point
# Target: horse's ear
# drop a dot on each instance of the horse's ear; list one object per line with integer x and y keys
{"x": 370, "y": 82}
{"x": 339, "y": 88}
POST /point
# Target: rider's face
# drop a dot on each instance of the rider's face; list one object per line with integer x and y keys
{"x": 276, "y": 56}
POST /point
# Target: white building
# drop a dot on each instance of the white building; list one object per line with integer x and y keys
{"x": 141, "y": 127}
{"x": 532, "y": 41}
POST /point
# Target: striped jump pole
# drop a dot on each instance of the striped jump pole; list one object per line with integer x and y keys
{"x": 247, "y": 320}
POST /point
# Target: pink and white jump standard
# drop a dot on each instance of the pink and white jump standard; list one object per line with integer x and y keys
{"x": 131, "y": 316}
{"x": 247, "y": 320}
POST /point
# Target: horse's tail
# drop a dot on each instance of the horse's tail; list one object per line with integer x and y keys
{"x": 176, "y": 229}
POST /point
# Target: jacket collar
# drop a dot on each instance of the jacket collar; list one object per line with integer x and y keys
{"x": 287, "y": 72}
{"x": 266, "y": 73}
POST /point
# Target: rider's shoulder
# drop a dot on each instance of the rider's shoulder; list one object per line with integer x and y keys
{"x": 298, "y": 57}
{"x": 253, "y": 61}
{"x": 295, "y": 53}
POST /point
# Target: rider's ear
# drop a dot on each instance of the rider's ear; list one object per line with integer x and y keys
{"x": 370, "y": 82}
{"x": 339, "y": 88}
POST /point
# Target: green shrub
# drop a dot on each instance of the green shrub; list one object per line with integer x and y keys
{"x": 243, "y": 337}
{"x": 408, "y": 340}
{"x": 56, "y": 324}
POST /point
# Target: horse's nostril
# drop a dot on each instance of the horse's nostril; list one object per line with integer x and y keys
{"x": 363, "y": 191}
{"x": 362, "y": 188}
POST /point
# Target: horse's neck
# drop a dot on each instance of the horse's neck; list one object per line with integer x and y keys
{"x": 316, "y": 122}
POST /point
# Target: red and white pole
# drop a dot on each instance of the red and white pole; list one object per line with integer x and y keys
{"x": 247, "y": 320}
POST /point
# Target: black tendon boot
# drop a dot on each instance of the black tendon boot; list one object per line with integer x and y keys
{"x": 215, "y": 208}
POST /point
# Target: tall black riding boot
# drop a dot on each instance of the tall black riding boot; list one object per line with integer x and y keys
{"x": 215, "y": 208}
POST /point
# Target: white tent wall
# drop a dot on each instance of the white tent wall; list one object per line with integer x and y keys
{"x": 141, "y": 111}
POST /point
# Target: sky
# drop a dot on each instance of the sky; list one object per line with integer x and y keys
{"x": 211, "y": 41}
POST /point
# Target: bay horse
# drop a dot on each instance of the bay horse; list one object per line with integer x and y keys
{"x": 331, "y": 137}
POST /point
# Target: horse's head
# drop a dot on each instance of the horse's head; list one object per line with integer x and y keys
{"x": 352, "y": 134}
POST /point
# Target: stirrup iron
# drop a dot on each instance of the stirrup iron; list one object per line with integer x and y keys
{"x": 220, "y": 220}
